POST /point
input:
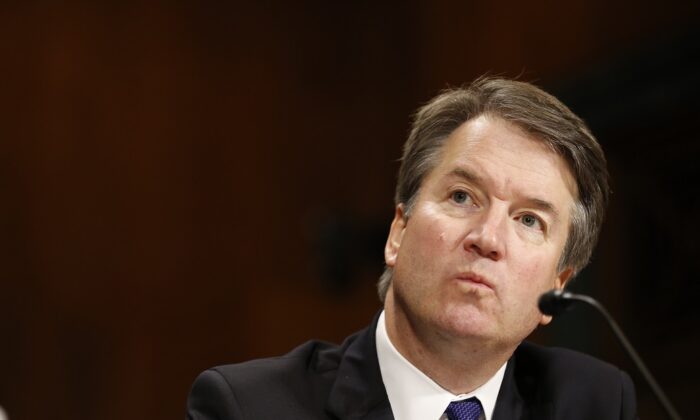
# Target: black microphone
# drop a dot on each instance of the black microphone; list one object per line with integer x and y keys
{"x": 557, "y": 301}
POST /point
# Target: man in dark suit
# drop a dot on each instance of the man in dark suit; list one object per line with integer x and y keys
{"x": 500, "y": 197}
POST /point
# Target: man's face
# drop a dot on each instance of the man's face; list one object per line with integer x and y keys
{"x": 484, "y": 236}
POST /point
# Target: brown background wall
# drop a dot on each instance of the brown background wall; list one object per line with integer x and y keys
{"x": 178, "y": 178}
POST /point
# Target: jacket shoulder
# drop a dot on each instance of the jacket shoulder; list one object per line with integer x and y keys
{"x": 305, "y": 362}
{"x": 556, "y": 361}
{"x": 294, "y": 385}
{"x": 573, "y": 383}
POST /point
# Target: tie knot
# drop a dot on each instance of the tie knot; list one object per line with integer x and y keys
{"x": 469, "y": 409}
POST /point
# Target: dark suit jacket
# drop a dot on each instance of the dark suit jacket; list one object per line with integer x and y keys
{"x": 323, "y": 381}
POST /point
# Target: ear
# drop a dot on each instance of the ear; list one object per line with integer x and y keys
{"x": 393, "y": 242}
{"x": 559, "y": 283}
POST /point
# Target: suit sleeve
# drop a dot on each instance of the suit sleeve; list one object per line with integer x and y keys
{"x": 628, "y": 409}
{"x": 212, "y": 398}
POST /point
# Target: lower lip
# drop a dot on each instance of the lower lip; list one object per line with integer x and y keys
{"x": 474, "y": 283}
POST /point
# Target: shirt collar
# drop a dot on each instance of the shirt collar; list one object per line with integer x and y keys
{"x": 413, "y": 395}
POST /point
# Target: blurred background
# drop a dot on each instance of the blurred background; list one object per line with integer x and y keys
{"x": 186, "y": 184}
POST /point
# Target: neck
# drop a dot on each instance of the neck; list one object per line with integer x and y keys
{"x": 458, "y": 364}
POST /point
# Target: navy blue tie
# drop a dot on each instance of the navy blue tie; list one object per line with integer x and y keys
{"x": 469, "y": 409}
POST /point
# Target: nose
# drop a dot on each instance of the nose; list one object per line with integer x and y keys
{"x": 486, "y": 235}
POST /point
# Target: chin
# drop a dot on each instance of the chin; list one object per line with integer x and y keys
{"x": 466, "y": 323}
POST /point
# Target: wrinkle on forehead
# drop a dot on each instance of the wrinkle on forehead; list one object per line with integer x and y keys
{"x": 478, "y": 133}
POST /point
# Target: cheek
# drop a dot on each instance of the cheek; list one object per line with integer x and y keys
{"x": 536, "y": 272}
{"x": 426, "y": 248}
{"x": 420, "y": 249}
{"x": 533, "y": 270}
{"x": 525, "y": 261}
{"x": 429, "y": 237}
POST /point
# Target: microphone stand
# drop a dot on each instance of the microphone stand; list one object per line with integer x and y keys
{"x": 555, "y": 301}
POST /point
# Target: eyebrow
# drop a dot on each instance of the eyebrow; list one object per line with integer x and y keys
{"x": 467, "y": 175}
{"x": 537, "y": 203}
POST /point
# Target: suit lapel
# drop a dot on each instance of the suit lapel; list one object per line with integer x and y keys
{"x": 518, "y": 397}
{"x": 358, "y": 391}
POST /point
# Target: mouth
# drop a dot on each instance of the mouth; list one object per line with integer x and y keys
{"x": 474, "y": 280}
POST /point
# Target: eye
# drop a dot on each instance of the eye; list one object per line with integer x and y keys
{"x": 460, "y": 197}
{"x": 531, "y": 221}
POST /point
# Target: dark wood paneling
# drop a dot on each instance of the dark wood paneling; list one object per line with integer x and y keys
{"x": 166, "y": 169}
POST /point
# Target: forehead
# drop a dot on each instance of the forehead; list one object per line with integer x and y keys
{"x": 511, "y": 161}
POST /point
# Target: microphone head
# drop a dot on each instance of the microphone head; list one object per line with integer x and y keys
{"x": 555, "y": 302}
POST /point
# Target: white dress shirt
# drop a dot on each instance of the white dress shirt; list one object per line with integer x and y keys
{"x": 413, "y": 395}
